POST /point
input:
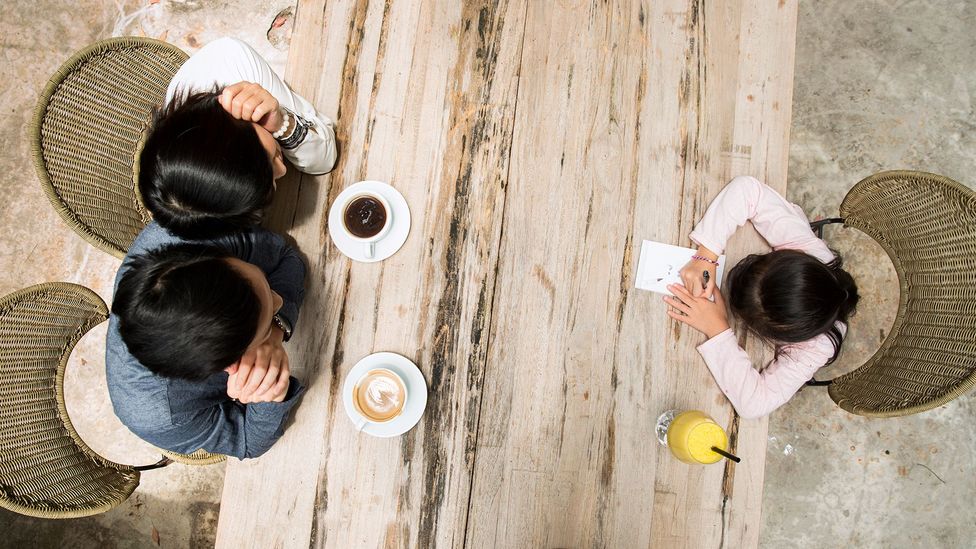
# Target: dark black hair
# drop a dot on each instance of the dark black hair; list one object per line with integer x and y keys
{"x": 203, "y": 173}
{"x": 787, "y": 296}
{"x": 184, "y": 311}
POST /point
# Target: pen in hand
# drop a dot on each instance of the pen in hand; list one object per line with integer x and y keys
{"x": 705, "y": 278}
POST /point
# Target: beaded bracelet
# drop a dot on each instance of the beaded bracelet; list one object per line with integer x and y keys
{"x": 705, "y": 259}
{"x": 285, "y": 122}
{"x": 297, "y": 135}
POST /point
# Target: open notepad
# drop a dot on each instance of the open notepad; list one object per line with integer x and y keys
{"x": 659, "y": 265}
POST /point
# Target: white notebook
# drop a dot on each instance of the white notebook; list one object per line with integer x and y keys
{"x": 659, "y": 265}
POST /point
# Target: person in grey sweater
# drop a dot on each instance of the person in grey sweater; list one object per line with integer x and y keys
{"x": 194, "y": 355}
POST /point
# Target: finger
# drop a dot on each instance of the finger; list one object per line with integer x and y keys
{"x": 227, "y": 95}
{"x": 225, "y": 99}
{"x": 719, "y": 298}
{"x": 709, "y": 288}
{"x": 240, "y": 98}
{"x": 274, "y": 389}
{"x": 232, "y": 385}
{"x": 677, "y": 304}
{"x": 280, "y": 388}
{"x": 254, "y": 381}
{"x": 678, "y": 316}
{"x": 285, "y": 364}
{"x": 260, "y": 112}
{"x": 247, "y": 110}
{"x": 269, "y": 379}
{"x": 243, "y": 371}
{"x": 237, "y": 105}
{"x": 680, "y": 292}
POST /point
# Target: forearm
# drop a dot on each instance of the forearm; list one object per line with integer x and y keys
{"x": 287, "y": 279}
{"x": 781, "y": 223}
{"x": 281, "y": 263}
{"x": 228, "y": 427}
{"x": 731, "y": 208}
{"x": 227, "y": 61}
{"x": 264, "y": 422}
{"x": 747, "y": 389}
{"x": 755, "y": 394}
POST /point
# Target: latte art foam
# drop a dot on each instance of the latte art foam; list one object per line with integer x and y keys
{"x": 380, "y": 395}
{"x": 383, "y": 395}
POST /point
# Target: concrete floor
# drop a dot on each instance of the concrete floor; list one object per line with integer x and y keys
{"x": 177, "y": 505}
{"x": 879, "y": 85}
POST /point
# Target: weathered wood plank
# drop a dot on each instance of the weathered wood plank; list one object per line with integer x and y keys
{"x": 425, "y": 96}
{"x": 653, "y": 106}
{"x": 622, "y": 121}
{"x": 764, "y": 100}
{"x": 270, "y": 502}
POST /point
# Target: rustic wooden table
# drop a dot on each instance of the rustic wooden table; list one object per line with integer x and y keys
{"x": 537, "y": 143}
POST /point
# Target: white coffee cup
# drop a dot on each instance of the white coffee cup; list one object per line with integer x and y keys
{"x": 379, "y": 396}
{"x": 360, "y": 217}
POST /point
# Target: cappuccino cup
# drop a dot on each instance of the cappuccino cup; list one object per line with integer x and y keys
{"x": 367, "y": 217}
{"x": 379, "y": 396}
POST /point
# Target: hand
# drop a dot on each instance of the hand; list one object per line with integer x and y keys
{"x": 250, "y": 102}
{"x": 691, "y": 274}
{"x": 262, "y": 374}
{"x": 700, "y": 313}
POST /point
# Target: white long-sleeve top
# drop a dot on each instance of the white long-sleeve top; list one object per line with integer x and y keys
{"x": 783, "y": 225}
{"x": 228, "y": 61}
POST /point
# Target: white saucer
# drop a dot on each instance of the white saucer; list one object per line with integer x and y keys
{"x": 413, "y": 378}
{"x": 389, "y": 244}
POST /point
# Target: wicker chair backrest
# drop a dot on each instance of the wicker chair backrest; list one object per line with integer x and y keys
{"x": 88, "y": 129}
{"x": 927, "y": 225}
{"x": 46, "y": 470}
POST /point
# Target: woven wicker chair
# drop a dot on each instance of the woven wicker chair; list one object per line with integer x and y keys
{"x": 89, "y": 127}
{"x": 927, "y": 225}
{"x": 46, "y": 470}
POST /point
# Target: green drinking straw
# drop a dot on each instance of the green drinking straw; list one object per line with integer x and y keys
{"x": 721, "y": 452}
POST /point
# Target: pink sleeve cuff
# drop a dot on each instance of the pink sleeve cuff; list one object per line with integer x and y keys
{"x": 718, "y": 342}
{"x": 700, "y": 239}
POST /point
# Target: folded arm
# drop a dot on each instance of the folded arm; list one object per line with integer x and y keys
{"x": 228, "y": 61}
{"x": 280, "y": 262}
{"x": 755, "y": 394}
{"x": 230, "y": 428}
{"x": 781, "y": 223}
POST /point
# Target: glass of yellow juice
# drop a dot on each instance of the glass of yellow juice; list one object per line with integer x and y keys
{"x": 691, "y": 435}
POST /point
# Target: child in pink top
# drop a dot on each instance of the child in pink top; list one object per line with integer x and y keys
{"x": 796, "y": 297}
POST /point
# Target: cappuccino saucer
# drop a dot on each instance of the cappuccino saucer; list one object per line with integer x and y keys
{"x": 412, "y": 377}
{"x": 383, "y": 248}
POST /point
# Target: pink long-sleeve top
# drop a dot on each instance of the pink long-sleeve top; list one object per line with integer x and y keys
{"x": 783, "y": 225}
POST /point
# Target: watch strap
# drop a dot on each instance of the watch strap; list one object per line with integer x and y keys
{"x": 282, "y": 324}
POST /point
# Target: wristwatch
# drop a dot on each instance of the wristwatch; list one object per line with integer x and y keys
{"x": 283, "y": 325}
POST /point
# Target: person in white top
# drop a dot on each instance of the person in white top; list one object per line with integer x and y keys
{"x": 217, "y": 145}
{"x": 797, "y": 297}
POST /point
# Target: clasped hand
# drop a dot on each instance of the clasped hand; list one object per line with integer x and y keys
{"x": 699, "y": 312}
{"x": 262, "y": 374}
{"x": 250, "y": 102}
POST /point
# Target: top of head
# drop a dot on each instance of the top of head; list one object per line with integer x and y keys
{"x": 202, "y": 172}
{"x": 185, "y": 312}
{"x": 788, "y": 296}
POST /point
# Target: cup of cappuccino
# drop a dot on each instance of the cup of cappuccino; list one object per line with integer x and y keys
{"x": 379, "y": 396}
{"x": 367, "y": 217}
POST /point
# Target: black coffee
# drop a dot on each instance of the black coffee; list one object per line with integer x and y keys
{"x": 365, "y": 217}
